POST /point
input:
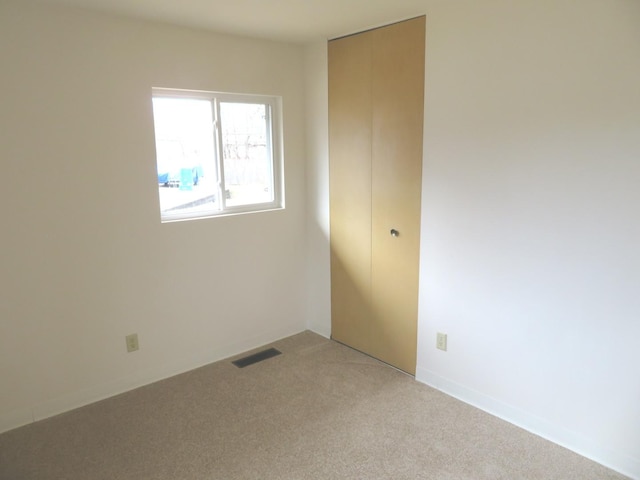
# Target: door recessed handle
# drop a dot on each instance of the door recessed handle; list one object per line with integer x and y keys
{"x": 394, "y": 232}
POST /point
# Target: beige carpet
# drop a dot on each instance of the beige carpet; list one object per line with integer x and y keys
{"x": 318, "y": 411}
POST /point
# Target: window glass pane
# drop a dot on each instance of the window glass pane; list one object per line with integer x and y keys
{"x": 187, "y": 175}
{"x": 246, "y": 147}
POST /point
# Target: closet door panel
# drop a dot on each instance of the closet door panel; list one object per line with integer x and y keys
{"x": 397, "y": 124}
{"x": 350, "y": 189}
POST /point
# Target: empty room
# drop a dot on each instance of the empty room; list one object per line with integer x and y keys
{"x": 307, "y": 239}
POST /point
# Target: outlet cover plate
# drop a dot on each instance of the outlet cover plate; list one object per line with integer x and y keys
{"x": 132, "y": 342}
{"x": 441, "y": 341}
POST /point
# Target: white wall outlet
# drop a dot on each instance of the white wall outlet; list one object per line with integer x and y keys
{"x": 441, "y": 341}
{"x": 132, "y": 342}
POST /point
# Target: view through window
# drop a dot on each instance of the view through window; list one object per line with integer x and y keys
{"x": 215, "y": 154}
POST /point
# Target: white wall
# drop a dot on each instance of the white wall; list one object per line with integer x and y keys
{"x": 530, "y": 260}
{"x": 84, "y": 257}
{"x": 318, "y": 258}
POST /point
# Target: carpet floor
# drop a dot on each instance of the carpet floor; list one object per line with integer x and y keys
{"x": 318, "y": 411}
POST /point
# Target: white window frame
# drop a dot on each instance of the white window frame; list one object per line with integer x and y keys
{"x": 274, "y": 138}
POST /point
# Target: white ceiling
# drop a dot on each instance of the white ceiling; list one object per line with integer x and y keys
{"x": 286, "y": 20}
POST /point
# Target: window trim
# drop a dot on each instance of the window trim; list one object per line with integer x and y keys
{"x": 274, "y": 139}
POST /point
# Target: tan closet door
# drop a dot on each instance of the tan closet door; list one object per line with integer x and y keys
{"x": 376, "y": 83}
{"x": 398, "y": 97}
{"x": 350, "y": 189}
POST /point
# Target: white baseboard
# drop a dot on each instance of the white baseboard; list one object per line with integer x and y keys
{"x": 321, "y": 330}
{"x": 15, "y": 418}
{"x": 80, "y": 398}
{"x": 538, "y": 426}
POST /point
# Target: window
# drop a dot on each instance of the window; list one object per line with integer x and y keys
{"x": 216, "y": 153}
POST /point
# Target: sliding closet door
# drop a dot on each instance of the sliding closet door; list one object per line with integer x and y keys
{"x": 350, "y": 189}
{"x": 398, "y": 92}
{"x": 376, "y": 84}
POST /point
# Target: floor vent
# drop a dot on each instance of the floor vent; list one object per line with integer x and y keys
{"x": 256, "y": 357}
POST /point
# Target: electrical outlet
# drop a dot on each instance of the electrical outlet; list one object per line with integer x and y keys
{"x": 441, "y": 341}
{"x": 132, "y": 342}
